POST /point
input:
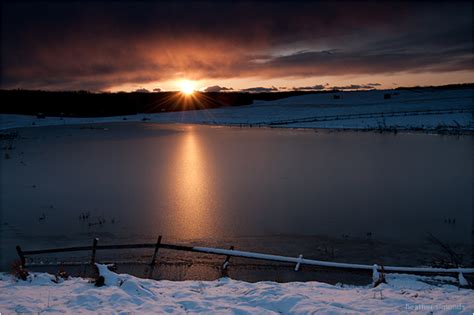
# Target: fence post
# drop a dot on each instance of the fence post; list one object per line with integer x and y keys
{"x": 297, "y": 267}
{"x": 22, "y": 257}
{"x": 227, "y": 258}
{"x": 157, "y": 246}
{"x": 94, "y": 248}
{"x": 153, "y": 259}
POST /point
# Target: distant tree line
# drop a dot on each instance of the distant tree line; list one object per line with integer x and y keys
{"x": 458, "y": 86}
{"x": 87, "y": 104}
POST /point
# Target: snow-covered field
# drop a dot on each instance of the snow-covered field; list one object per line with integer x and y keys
{"x": 127, "y": 294}
{"x": 430, "y": 110}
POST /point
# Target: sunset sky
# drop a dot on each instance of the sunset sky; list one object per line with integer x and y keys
{"x": 114, "y": 46}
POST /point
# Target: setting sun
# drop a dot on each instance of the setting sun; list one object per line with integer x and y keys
{"x": 187, "y": 87}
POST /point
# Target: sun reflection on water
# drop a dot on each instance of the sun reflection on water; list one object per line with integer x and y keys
{"x": 193, "y": 191}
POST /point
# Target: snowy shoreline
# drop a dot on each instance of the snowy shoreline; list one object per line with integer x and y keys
{"x": 126, "y": 293}
{"x": 439, "y": 112}
{"x": 7, "y": 124}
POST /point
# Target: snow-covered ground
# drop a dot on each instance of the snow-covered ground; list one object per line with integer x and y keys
{"x": 429, "y": 110}
{"x": 127, "y": 294}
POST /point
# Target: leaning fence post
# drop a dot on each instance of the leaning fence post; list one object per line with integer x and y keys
{"x": 94, "y": 248}
{"x": 298, "y": 263}
{"x": 22, "y": 257}
{"x": 157, "y": 246}
{"x": 153, "y": 259}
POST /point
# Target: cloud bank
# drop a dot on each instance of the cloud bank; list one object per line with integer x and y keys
{"x": 98, "y": 45}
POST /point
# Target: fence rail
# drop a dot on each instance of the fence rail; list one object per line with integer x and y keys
{"x": 335, "y": 117}
{"x": 369, "y": 115}
{"x": 298, "y": 261}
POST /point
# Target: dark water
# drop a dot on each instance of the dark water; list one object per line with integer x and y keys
{"x": 344, "y": 196}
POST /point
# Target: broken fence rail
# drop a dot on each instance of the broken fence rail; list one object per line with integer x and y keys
{"x": 243, "y": 254}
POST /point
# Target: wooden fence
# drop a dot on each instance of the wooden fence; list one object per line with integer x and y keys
{"x": 298, "y": 261}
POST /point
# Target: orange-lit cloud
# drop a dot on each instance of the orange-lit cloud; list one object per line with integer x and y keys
{"x": 120, "y": 45}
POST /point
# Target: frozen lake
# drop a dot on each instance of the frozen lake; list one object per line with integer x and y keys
{"x": 367, "y": 197}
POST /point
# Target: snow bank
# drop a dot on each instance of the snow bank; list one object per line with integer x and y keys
{"x": 125, "y": 293}
{"x": 443, "y": 107}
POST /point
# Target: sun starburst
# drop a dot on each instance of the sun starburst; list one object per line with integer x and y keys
{"x": 187, "y": 87}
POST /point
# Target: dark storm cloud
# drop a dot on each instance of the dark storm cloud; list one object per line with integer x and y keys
{"x": 260, "y": 89}
{"x": 92, "y": 45}
{"x": 142, "y": 90}
{"x": 317, "y": 87}
{"x": 369, "y": 61}
{"x": 217, "y": 88}
{"x": 352, "y": 87}
{"x": 320, "y": 87}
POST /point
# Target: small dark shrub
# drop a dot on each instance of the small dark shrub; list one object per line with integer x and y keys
{"x": 18, "y": 271}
